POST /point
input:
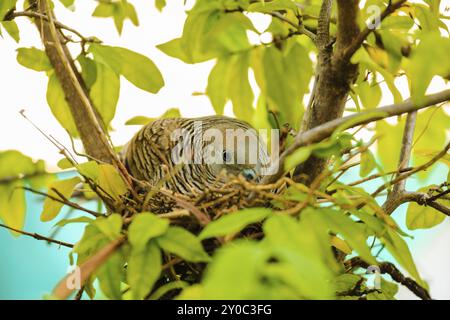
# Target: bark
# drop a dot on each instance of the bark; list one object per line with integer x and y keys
{"x": 334, "y": 77}
{"x": 88, "y": 124}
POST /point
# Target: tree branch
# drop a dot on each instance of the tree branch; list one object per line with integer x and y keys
{"x": 38, "y": 236}
{"x": 326, "y": 130}
{"x": 356, "y": 44}
{"x": 405, "y": 152}
{"x": 59, "y": 25}
{"x": 333, "y": 78}
{"x": 63, "y": 200}
{"x": 88, "y": 123}
{"x": 397, "y": 276}
{"x": 347, "y": 23}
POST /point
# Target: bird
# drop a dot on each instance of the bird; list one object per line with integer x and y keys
{"x": 191, "y": 155}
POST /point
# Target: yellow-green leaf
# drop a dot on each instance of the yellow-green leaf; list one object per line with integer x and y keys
{"x": 234, "y": 222}
{"x": 422, "y": 217}
{"x": 59, "y": 106}
{"x": 12, "y": 29}
{"x": 184, "y": 244}
{"x": 52, "y": 207}
{"x": 144, "y": 268}
{"x": 105, "y": 92}
{"x": 144, "y": 227}
{"x": 111, "y": 181}
{"x": 34, "y": 59}
{"x": 367, "y": 163}
{"x": 12, "y": 205}
{"x": 135, "y": 67}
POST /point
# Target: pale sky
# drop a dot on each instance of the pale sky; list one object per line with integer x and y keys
{"x": 22, "y": 88}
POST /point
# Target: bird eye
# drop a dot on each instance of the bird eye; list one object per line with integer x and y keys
{"x": 226, "y": 156}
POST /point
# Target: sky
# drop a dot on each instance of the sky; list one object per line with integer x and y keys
{"x": 22, "y": 88}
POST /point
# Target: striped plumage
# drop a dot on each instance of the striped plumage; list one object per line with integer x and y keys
{"x": 152, "y": 153}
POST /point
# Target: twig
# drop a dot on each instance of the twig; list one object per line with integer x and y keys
{"x": 325, "y": 130}
{"x": 59, "y": 25}
{"x": 405, "y": 152}
{"x": 38, "y": 236}
{"x": 356, "y": 44}
{"x": 397, "y": 276}
{"x": 62, "y": 200}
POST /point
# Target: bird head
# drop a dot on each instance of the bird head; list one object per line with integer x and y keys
{"x": 232, "y": 147}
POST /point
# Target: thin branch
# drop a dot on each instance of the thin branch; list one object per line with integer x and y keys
{"x": 38, "y": 236}
{"x": 397, "y": 276}
{"x": 88, "y": 123}
{"x": 323, "y": 25}
{"x": 63, "y": 200}
{"x": 420, "y": 198}
{"x": 405, "y": 152}
{"x": 416, "y": 169}
{"x": 59, "y": 25}
{"x": 299, "y": 27}
{"x": 347, "y": 24}
{"x": 356, "y": 44}
{"x": 325, "y": 130}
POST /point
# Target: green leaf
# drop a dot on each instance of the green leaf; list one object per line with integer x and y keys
{"x": 5, "y": 6}
{"x": 110, "y": 275}
{"x": 58, "y": 105}
{"x": 65, "y": 164}
{"x": 354, "y": 233}
{"x": 141, "y": 120}
{"x": 136, "y": 68}
{"x": 14, "y": 163}
{"x": 161, "y": 291}
{"x": 88, "y": 70}
{"x": 52, "y": 207}
{"x": 399, "y": 249}
{"x": 427, "y": 60}
{"x": 105, "y": 92}
{"x": 297, "y": 157}
{"x": 234, "y": 222}
{"x": 367, "y": 163}
{"x": 13, "y": 205}
{"x": 89, "y": 169}
{"x": 103, "y": 10}
{"x": 304, "y": 251}
{"x": 218, "y": 82}
{"x": 422, "y": 217}
{"x": 287, "y": 78}
{"x": 63, "y": 222}
{"x": 390, "y": 139}
{"x": 111, "y": 181}
{"x": 145, "y": 227}
{"x": 34, "y": 59}
{"x": 174, "y": 49}
{"x": 346, "y": 282}
{"x": 12, "y": 29}
{"x": 110, "y": 226}
{"x": 67, "y": 3}
{"x": 239, "y": 89}
{"x": 276, "y": 5}
{"x": 184, "y": 244}
{"x": 369, "y": 93}
{"x": 130, "y": 12}
{"x": 144, "y": 268}
{"x": 160, "y": 4}
{"x": 234, "y": 266}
